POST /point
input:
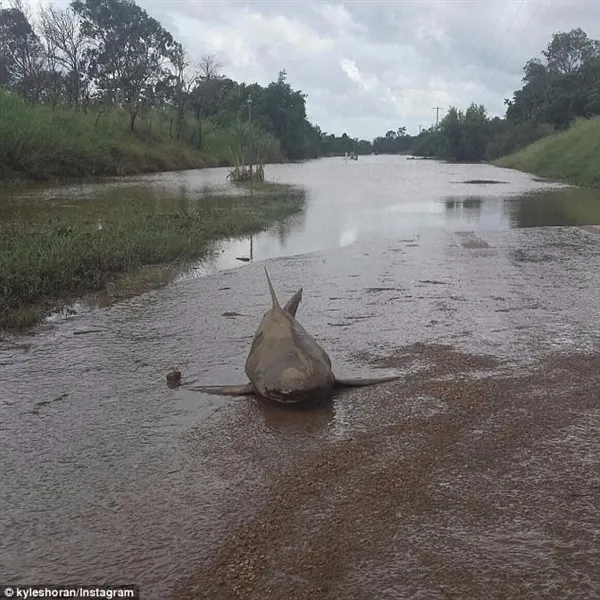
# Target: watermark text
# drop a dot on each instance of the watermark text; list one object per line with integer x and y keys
{"x": 105, "y": 592}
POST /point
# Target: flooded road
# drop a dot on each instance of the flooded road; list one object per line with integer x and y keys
{"x": 477, "y": 474}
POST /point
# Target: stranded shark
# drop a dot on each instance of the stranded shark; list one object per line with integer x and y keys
{"x": 285, "y": 363}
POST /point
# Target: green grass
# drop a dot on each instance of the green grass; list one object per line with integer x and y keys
{"x": 42, "y": 142}
{"x": 572, "y": 156}
{"x": 47, "y": 259}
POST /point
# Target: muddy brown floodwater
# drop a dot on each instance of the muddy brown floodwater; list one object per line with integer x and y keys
{"x": 475, "y": 475}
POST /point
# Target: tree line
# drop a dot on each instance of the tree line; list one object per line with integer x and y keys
{"x": 557, "y": 89}
{"x": 110, "y": 55}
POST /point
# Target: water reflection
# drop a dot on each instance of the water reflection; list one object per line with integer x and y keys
{"x": 565, "y": 207}
{"x": 250, "y": 256}
{"x": 296, "y": 419}
{"x": 108, "y": 201}
{"x": 379, "y": 196}
{"x": 471, "y": 204}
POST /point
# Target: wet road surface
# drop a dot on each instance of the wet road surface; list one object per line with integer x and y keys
{"x": 475, "y": 475}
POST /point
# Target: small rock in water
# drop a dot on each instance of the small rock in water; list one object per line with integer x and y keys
{"x": 174, "y": 377}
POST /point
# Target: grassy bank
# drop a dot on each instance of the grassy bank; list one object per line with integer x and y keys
{"x": 51, "y": 258}
{"x": 572, "y": 156}
{"x": 42, "y": 142}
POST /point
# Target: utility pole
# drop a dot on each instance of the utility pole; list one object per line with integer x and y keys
{"x": 249, "y": 109}
{"x": 437, "y": 114}
{"x": 420, "y": 127}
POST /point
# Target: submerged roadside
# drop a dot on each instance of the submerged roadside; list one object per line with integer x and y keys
{"x": 52, "y": 258}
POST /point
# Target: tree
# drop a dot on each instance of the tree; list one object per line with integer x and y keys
{"x": 567, "y": 52}
{"x": 67, "y": 48}
{"x": 183, "y": 81}
{"x": 475, "y": 133}
{"x": 209, "y": 87}
{"x": 562, "y": 87}
{"x": 286, "y": 110}
{"x": 392, "y": 143}
{"x": 450, "y": 134}
{"x": 21, "y": 54}
{"x": 590, "y": 74}
{"x": 209, "y": 67}
{"x": 130, "y": 54}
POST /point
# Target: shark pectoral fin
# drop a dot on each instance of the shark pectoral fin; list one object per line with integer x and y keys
{"x": 246, "y": 389}
{"x": 292, "y": 304}
{"x": 364, "y": 381}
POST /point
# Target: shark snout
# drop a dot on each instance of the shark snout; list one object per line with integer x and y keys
{"x": 293, "y": 379}
{"x": 295, "y": 386}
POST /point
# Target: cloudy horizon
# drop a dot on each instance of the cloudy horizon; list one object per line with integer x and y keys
{"x": 368, "y": 67}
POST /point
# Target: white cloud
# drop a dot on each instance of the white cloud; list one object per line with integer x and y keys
{"x": 366, "y": 82}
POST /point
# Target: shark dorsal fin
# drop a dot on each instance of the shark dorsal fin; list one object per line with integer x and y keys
{"x": 273, "y": 295}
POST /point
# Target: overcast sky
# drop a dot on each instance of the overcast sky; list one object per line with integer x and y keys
{"x": 367, "y": 66}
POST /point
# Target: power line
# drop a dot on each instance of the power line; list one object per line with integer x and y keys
{"x": 519, "y": 37}
{"x": 496, "y": 21}
{"x": 506, "y": 32}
